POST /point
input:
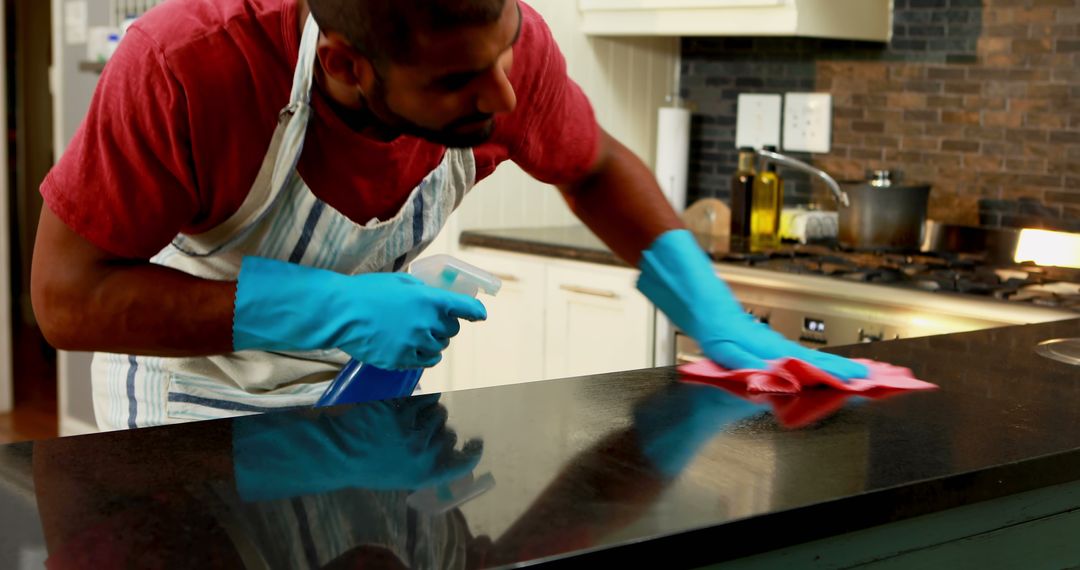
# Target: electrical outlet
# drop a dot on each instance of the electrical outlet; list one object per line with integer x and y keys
{"x": 758, "y": 122}
{"x": 808, "y": 122}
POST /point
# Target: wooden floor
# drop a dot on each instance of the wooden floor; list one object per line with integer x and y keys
{"x": 34, "y": 416}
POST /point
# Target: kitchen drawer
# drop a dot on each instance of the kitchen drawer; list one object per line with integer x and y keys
{"x": 509, "y": 346}
{"x": 596, "y": 321}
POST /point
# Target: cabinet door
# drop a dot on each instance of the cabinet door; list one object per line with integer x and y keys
{"x": 587, "y": 5}
{"x": 869, "y": 20}
{"x": 509, "y": 346}
{"x": 596, "y": 322}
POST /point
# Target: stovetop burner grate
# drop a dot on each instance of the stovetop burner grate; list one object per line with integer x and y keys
{"x": 958, "y": 273}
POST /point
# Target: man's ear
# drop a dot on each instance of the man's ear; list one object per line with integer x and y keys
{"x": 349, "y": 69}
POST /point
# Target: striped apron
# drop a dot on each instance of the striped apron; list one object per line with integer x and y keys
{"x": 281, "y": 219}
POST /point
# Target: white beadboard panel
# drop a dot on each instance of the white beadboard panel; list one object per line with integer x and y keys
{"x": 627, "y": 80}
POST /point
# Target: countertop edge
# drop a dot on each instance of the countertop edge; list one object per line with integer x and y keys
{"x": 770, "y": 532}
{"x": 533, "y": 247}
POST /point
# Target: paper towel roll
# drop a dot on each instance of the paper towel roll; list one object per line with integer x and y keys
{"x": 673, "y": 154}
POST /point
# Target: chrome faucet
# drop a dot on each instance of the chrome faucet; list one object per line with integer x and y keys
{"x": 838, "y": 193}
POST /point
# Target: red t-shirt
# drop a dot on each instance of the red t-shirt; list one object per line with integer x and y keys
{"x": 185, "y": 110}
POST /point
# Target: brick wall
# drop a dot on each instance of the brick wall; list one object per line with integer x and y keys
{"x": 979, "y": 97}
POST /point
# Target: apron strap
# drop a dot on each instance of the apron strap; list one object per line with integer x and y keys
{"x": 255, "y": 203}
{"x": 279, "y": 163}
{"x": 305, "y": 63}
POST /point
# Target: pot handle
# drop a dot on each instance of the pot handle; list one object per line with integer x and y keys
{"x": 838, "y": 193}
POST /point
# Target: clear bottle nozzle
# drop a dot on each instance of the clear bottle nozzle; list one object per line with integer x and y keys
{"x": 452, "y": 274}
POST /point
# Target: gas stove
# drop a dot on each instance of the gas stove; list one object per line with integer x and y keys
{"x": 966, "y": 274}
{"x": 822, "y": 295}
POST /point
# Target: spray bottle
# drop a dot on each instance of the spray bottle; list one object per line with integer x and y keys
{"x": 362, "y": 382}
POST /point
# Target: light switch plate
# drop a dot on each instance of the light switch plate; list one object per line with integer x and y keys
{"x": 758, "y": 122}
{"x": 808, "y": 122}
{"x": 75, "y": 21}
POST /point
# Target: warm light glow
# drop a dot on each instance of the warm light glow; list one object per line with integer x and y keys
{"x": 922, "y": 322}
{"x": 1044, "y": 247}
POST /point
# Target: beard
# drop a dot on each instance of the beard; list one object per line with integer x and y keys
{"x": 468, "y": 132}
{"x": 465, "y": 132}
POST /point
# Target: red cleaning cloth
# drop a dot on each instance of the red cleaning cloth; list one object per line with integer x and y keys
{"x": 790, "y": 376}
{"x": 781, "y": 386}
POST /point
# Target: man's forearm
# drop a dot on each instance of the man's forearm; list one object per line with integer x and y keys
{"x": 85, "y": 300}
{"x": 146, "y": 310}
{"x": 621, "y": 202}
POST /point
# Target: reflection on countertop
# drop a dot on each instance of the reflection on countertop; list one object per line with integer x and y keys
{"x": 606, "y": 468}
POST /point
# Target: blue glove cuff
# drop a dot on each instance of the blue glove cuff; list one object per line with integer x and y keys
{"x": 254, "y": 281}
{"x": 678, "y": 277}
{"x": 678, "y": 243}
{"x": 274, "y": 297}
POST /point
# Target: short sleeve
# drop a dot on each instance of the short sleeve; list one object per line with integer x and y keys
{"x": 553, "y": 134}
{"x": 126, "y": 181}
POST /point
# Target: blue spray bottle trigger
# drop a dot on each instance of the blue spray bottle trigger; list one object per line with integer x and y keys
{"x": 364, "y": 383}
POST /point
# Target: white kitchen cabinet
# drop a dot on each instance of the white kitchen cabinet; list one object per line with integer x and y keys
{"x": 596, "y": 321}
{"x": 553, "y": 319}
{"x": 509, "y": 346}
{"x": 869, "y": 20}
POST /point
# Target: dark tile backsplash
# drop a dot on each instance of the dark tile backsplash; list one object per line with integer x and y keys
{"x": 981, "y": 98}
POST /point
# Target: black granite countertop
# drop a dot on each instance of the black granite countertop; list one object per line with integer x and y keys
{"x": 608, "y": 469}
{"x": 577, "y": 243}
{"x": 566, "y": 242}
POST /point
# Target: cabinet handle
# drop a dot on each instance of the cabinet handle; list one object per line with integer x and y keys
{"x": 687, "y": 358}
{"x": 506, "y": 277}
{"x": 588, "y": 291}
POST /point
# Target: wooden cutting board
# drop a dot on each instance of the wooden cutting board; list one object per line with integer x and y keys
{"x": 708, "y": 216}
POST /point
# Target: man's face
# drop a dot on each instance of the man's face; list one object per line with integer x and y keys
{"x": 455, "y": 84}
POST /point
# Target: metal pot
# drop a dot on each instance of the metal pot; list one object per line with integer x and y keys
{"x": 875, "y": 214}
{"x": 884, "y": 215}
{"x": 997, "y": 244}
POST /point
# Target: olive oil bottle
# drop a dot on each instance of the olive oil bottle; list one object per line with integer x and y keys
{"x": 767, "y": 199}
{"x": 742, "y": 190}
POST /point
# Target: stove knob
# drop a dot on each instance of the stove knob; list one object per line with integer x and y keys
{"x": 865, "y": 337}
{"x": 763, "y": 319}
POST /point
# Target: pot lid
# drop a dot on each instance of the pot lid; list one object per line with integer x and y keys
{"x": 884, "y": 179}
{"x": 881, "y": 178}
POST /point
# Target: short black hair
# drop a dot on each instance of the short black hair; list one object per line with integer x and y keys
{"x": 383, "y": 30}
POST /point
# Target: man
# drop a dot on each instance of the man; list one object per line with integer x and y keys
{"x": 228, "y": 225}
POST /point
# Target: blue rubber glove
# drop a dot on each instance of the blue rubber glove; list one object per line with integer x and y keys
{"x": 390, "y": 320}
{"x": 675, "y": 423}
{"x": 392, "y": 445}
{"x": 679, "y": 278}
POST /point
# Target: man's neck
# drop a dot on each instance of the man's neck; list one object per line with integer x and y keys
{"x": 302, "y": 12}
{"x": 356, "y": 118}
